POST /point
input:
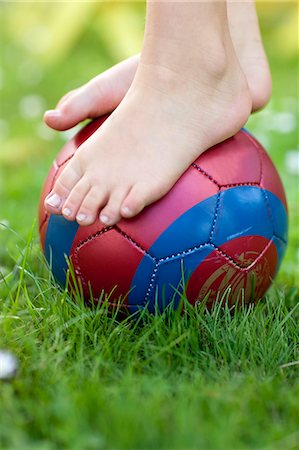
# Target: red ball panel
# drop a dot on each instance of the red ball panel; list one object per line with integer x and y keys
{"x": 190, "y": 189}
{"x": 42, "y": 232}
{"x": 106, "y": 259}
{"x": 233, "y": 161}
{"x": 271, "y": 180}
{"x": 246, "y": 250}
{"x": 217, "y": 271}
{"x": 84, "y": 233}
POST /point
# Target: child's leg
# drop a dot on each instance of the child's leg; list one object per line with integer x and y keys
{"x": 103, "y": 93}
{"x": 189, "y": 93}
{"x": 246, "y": 37}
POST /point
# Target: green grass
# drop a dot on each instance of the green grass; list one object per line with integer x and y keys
{"x": 212, "y": 380}
{"x": 218, "y": 380}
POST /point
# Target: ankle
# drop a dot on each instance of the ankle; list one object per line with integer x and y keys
{"x": 208, "y": 69}
{"x": 177, "y": 56}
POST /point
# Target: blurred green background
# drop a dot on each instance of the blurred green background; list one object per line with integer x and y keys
{"x": 213, "y": 382}
{"x": 48, "y": 48}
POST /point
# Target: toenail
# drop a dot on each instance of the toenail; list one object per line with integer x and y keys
{"x": 126, "y": 210}
{"x": 66, "y": 212}
{"x": 81, "y": 217}
{"x": 53, "y": 113}
{"x": 54, "y": 200}
{"x": 104, "y": 219}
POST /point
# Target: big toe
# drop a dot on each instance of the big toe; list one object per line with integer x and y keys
{"x": 63, "y": 186}
{"x": 74, "y": 107}
{"x": 99, "y": 96}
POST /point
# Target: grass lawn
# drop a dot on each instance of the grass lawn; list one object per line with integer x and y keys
{"x": 205, "y": 380}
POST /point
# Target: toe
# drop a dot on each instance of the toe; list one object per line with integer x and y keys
{"x": 141, "y": 195}
{"x": 110, "y": 215}
{"x": 76, "y": 198}
{"x": 62, "y": 188}
{"x": 67, "y": 96}
{"x": 93, "y": 201}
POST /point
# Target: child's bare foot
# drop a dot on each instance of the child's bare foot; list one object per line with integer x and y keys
{"x": 103, "y": 93}
{"x": 189, "y": 93}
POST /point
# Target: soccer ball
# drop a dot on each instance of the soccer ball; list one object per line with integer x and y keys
{"x": 221, "y": 228}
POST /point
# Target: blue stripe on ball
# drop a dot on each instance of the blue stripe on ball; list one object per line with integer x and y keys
{"x": 241, "y": 211}
{"x": 59, "y": 240}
